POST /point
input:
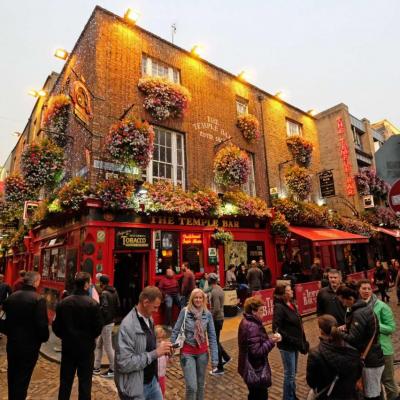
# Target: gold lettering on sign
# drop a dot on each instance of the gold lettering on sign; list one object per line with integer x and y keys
{"x": 133, "y": 241}
{"x": 185, "y": 221}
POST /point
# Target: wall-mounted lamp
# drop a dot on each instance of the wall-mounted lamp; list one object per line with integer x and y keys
{"x": 280, "y": 95}
{"x": 132, "y": 15}
{"x": 62, "y": 54}
{"x": 17, "y": 134}
{"x": 243, "y": 76}
{"x": 197, "y": 50}
{"x": 312, "y": 112}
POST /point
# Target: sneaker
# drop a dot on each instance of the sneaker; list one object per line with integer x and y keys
{"x": 224, "y": 362}
{"x": 108, "y": 374}
{"x": 96, "y": 371}
{"x": 216, "y": 372}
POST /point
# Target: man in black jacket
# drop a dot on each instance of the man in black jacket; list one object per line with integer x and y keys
{"x": 327, "y": 300}
{"x": 78, "y": 322}
{"x": 109, "y": 305}
{"x": 26, "y": 329}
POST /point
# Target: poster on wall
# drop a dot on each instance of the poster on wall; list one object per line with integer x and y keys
{"x": 235, "y": 253}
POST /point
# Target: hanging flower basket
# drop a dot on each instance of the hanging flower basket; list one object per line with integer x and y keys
{"x": 164, "y": 99}
{"x": 42, "y": 164}
{"x": 382, "y": 216}
{"x": 368, "y": 182}
{"x": 16, "y": 189}
{"x": 222, "y": 237}
{"x": 115, "y": 193}
{"x": 301, "y": 150}
{"x": 298, "y": 181}
{"x": 279, "y": 225}
{"x": 231, "y": 166}
{"x": 72, "y": 195}
{"x": 131, "y": 142}
{"x": 249, "y": 126}
{"x": 55, "y": 118}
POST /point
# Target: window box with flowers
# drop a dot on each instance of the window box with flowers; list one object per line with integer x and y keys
{"x": 221, "y": 236}
{"x": 114, "y": 193}
{"x": 231, "y": 166}
{"x": 131, "y": 142}
{"x": 279, "y": 225}
{"x": 298, "y": 181}
{"x": 368, "y": 182}
{"x": 382, "y": 216}
{"x": 73, "y": 194}
{"x": 164, "y": 99}
{"x": 301, "y": 150}
{"x": 249, "y": 126}
{"x": 55, "y": 119}
{"x": 42, "y": 164}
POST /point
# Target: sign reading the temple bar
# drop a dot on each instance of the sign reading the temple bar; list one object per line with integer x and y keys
{"x": 132, "y": 239}
{"x": 326, "y": 184}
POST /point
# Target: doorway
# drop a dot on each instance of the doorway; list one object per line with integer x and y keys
{"x": 130, "y": 277}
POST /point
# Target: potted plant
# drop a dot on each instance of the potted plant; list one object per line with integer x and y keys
{"x": 221, "y": 236}
{"x": 298, "y": 181}
{"x": 301, "y": 150}
{"x": 249, "y": 126}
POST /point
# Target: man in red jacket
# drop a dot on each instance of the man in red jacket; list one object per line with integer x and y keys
{"x": 170, "y": 289}
{"x": 188, "y": 283}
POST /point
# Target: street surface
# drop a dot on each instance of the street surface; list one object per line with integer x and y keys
{"x": 44, "y": 384}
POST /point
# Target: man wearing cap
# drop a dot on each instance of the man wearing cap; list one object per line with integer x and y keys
{"x": 217, "y": 311}
{"x": 109, "y": 305}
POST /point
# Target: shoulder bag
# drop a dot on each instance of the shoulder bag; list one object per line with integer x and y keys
{"x": 180, "y": 340}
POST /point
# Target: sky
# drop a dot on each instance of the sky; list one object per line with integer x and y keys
{"x": 319, "y": 52}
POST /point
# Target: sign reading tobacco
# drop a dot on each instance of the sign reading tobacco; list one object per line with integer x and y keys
{"x": 132, "y": 239}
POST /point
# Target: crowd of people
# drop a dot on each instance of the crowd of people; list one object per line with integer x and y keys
{"x": 355, "y": 353}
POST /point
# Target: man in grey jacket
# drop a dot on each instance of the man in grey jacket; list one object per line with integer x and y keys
{"x": 136, "y": 350}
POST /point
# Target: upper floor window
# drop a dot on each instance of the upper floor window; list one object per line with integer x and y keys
{"x": 357, "y": 137}
{"x": 241, "y": 106}
{"x": 293, "y": 128}
{"x": 250, "y": 186}
{"x": 168, "y": 157}
{"x": 152, "y": 67}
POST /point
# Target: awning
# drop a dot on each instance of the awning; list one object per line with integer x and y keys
{"x": 391, "y": 232}
{"x": 327, "y": 236}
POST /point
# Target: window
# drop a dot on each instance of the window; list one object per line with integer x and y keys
{"x": 241, "y": 106}
{"x": 168, "y": 157}
{"x": 250, "y": 186}
{"x": 167, "y": 251}
{"x": 152, "y": 67}
{"x": 293, "y": 128}
{"x": 357, "y": 137}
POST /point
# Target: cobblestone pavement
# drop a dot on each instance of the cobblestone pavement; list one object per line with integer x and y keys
{"x": 44, "y": 384}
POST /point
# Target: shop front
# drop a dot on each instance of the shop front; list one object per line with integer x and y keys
{"x": 385, "y": 244}
{"x": 335, "y": 248}
{"x": 135, "y": 250}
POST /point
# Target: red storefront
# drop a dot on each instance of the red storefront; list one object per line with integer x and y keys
{"x": 134, "y": 250}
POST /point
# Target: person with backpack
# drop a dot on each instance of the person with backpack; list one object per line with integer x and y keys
{"x": 332, "y": 367}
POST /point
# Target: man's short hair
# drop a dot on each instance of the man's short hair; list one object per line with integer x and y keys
{"x": 150, "y": 293}
{"x": 31, "y": 277}
{"x": 81, "y": 278}
{"x": 334, "y": 271}
{"x": 104, "y": 279}
{"x": 22, "y": 273}
{"x": 363, "y": 282}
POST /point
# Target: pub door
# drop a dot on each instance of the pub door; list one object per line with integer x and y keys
{"x": 130, "y": 277}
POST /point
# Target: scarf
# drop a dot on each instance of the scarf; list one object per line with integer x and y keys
{"x": 199, "y": 333}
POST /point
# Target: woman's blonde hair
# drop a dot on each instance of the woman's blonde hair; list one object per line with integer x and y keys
{"x": 194, "y": 293}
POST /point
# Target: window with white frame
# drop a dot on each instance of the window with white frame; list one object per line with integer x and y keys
{"x": 293, "y": 128}
{"x": 241, "y": 106}
{"x": 168, "y": 157}
{"x": 152, "y": 67}
{"x": 250, "y": 186}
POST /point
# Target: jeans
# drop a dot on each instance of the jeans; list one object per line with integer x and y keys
{"x": 289, "y": 361}
{"x": 388, "y": 380}
{"x": 194, "y": 370}
{"x": 170, "y": 300}
{"x": 152, "y": 390}
{"x": 257, "y": 393}
{"x": 222, "y": 354}
{"x": 105, "y": 340}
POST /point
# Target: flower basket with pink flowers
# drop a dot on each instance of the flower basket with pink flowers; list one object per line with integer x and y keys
{"x": 298, "y": 181}
{"x": 301, "y": 150}
{"x": 249, "y": 126}
{"x": 164, "y": 99}
{"x": 231, "y": 166}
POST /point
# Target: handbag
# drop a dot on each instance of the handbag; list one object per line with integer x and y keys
{"x": 180, "y": 340}
{"x": 253, "y": 377}
{"x": 359, "y": 383}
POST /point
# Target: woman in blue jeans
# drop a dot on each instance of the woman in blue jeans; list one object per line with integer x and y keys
{"x": 287, "y": 321}
{"x": 196, "y": 322}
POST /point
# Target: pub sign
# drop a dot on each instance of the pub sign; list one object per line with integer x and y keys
{"x": 132, "y": 239}
{"x": 327, "y": 184}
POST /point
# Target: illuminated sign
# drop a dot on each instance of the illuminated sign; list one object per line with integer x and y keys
{"x": 132, "y": 239}
{"x": 192, "y": 238}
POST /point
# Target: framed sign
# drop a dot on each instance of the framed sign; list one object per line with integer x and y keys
{"x": 326, "y": 184}
{"x": 132, "y": 239}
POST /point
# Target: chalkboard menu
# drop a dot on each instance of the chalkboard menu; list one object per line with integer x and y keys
{"x": 327, "y": 184}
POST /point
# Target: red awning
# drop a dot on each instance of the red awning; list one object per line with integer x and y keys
{"x": 327, "y": 236}
{"x": 391, "y": 232}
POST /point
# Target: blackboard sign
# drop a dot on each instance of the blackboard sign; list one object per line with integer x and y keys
{"x": 327, "y": 184}
{"x": 130, "y": 239}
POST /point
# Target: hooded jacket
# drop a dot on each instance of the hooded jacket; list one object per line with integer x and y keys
{"x": 361, "y": 323}
{"x": 109, "y": 304}
{"x": 328, "y": 360}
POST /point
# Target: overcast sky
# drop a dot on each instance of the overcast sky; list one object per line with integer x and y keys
{"x": 320, "y": 52}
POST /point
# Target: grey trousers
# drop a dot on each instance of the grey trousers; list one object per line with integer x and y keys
{"x": 105, "y": 340}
